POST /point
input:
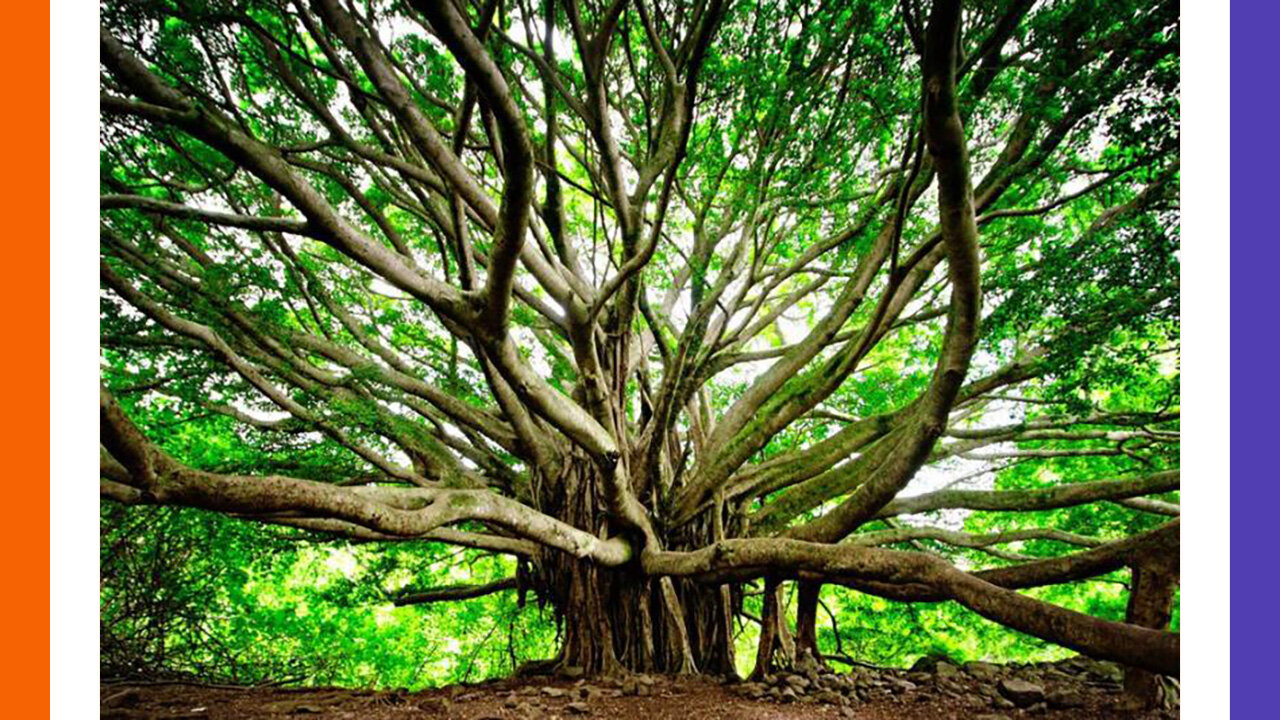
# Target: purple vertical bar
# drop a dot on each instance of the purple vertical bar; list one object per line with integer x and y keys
{"x": 1255, "y": 339}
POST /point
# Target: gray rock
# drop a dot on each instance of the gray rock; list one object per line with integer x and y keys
{"x": 1058, "y": 675}
{"x": 946, "y": 670}
{"x": 902, "y": 686}
{"x": 1063, "y": 698}
{"x": 829, "y": 697}
{"x": 578, "y": 708}
{"x": 788, "y": 695}
{"x": 929, "y": 663}
{"x": 982, "y": 670}
{"x": 1021, "y": 693}
{"x": 799, "y": 682}
{"x": 554, "y": 692}
{"x": 1107, "y": 671}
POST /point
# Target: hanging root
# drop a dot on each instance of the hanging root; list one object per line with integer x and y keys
{"x": 679, "y": 631}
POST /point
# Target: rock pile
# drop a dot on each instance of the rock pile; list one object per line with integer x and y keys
{"x": 532, "y": 701}
{"x": 1034, "y": 687}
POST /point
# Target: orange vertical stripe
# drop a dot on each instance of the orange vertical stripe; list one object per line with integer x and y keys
{"x": 24, "y": 360}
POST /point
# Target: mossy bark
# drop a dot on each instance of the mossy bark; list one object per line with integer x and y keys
{"x": 1150, "y": 605}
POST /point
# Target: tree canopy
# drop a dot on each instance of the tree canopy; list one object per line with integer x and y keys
{"x": 645, "y": 300}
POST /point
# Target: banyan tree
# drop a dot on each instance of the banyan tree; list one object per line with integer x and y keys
{"x": 665, "y": 299}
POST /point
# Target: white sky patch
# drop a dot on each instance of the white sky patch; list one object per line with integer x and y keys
{"x": 562, "y": 43}
{"x": 382, "y": 287}
{"x": 343, "y": 561}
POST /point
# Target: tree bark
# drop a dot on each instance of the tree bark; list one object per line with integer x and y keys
{"x": 807, "y": 653}
{"x": 768, "y": 630}
{"x": 620, "y": 619}
{"x": 1150, "y": 605}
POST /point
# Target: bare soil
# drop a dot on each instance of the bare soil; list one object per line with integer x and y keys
{"x": 661, "y": 698}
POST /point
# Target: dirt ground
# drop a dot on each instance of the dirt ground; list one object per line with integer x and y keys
{"x": 655, "y": 698}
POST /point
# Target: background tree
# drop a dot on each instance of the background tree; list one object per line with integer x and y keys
{"x": 659, "y": 298}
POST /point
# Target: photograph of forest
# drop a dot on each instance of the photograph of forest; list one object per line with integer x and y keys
{"x": 639, "y": 359}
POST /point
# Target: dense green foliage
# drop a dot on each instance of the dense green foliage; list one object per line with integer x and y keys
{"x": 191, "y": 594}
{"x": 247, "y": 338}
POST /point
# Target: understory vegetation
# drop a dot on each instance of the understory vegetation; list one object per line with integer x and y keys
{"x": 189, "y": 594}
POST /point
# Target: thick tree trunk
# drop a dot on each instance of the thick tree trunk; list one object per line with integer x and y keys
{"x": 1150, "y": 605}
{"x": 807, "y": 653}
{"x": 619, "y": 620}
